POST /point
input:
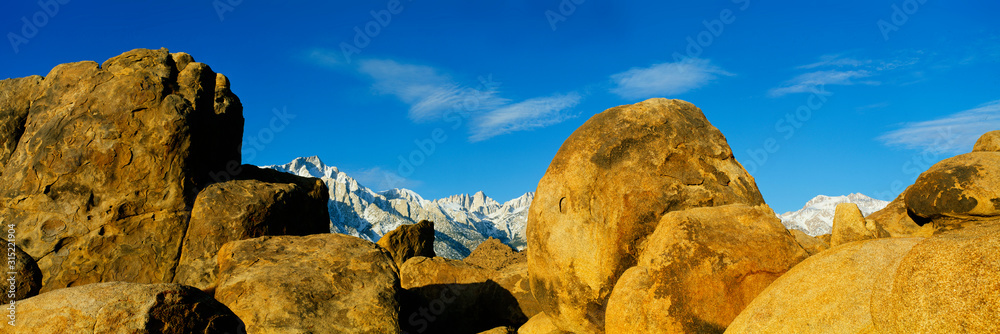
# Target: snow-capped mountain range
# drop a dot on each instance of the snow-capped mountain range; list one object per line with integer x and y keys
{"x": 461, "y": 222}
{"x": 816, "y": 217}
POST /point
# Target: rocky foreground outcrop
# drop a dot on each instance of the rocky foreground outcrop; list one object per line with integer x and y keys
{"x": 130, "y": 171}
{"x": 451, "y": 296}
{"x": 944, "y": 280}
{"x": 699, "y": 269}
{"x": 257, "y": 202}
{"x": 605, "y": 193}
{"x": 27, "y": 278}
{"x": 408, "y": 241}
{"x": 324, "y": 283}
{"x": 119, "y": 307}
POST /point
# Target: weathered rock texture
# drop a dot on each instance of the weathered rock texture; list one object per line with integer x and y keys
{"x": 812, "y": 245}
{"x": 539, "y": 324}
{"x": 965, "y": 187}
{"x": 451, "y": 296}
{"x": 27, "y": 278}
{"x": 945, "y": 284}
{"x": 895, "y": 220}
{"x": 830, "y": 292}
{"x": 493, "y": 254}
{"x": 700, "y": 268}
{"x": 323, "y": 283}
{"x": 850, "y": 225}
{"x": 500, "y": 330}
{"x": 102, "y": 179}
{"x": 118, "y": 307}
{"x": 15, "y": 101}
{"x": 257, "y": 202}
{"x": 605, "y": 191}
{"x": 514, "y": 278}
{"x": 407, "y": 241}
{"x": 988, "y": 142}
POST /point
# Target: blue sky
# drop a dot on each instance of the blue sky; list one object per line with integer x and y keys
{"x": 447, "y": 97}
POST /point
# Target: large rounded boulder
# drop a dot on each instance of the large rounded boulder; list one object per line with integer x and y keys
{"x": 108, "y": 161}
{"x": 947, "y": 283}
{"x": 119, "y": 307}
{"x": 963, "y": 187}
{"x": 605, "y": 191}
{"x": 700, "y": 268}
{"x": 321, "y": 283}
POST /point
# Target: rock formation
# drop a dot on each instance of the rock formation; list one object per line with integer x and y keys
{"x": 493, "y": 254}
{"x": 110, "y": 160}
{"x": 943, "y": 281}
{"x": 947, "y": 283}
{"x": 130, "y": 171}
{"x": 700, "y": 268}
{"x": 964, "y": 187}
{"x": 27, "y": 279}
{"x": 850, "y": 225}
{"x": 539, "y": 324}
{"x": 451, "y": 296}
{"x": 827, "y": 293}
{"x": 323, "y": 283}
{"x": 407, "y": 241}
{"x": 988, "y": 142}
{"x": 812, "y": 245}
{"x": 257, "y": 202}
{"x": 603, "y": 194}
{"x": 15, "y": 101}
{"x": 119, "y": 307}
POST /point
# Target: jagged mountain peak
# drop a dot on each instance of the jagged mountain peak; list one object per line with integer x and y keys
{"x": 816, "y": 217}
{"x": 461, "y": 221}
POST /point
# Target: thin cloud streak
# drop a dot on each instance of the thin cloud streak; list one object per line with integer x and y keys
{"x": 429, "y": 93}
{"x": 812, "y": 81}
{"x": 956, "y": 133}
{"x": 526, "y": 115}
{"x": 666, "y": 79}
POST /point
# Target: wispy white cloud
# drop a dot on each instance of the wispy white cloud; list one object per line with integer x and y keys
{"x": 666, "y": 79}
{"x": 323, "y": 57}
{"x": 379, "y": 179}
{"x": 431, "y": 94}
{"x": 837, "y": 60}
{"x": 813, "y": 81}
{"x": 529, "y": 114}
{"x": 428, "y": 92}
{"x": 955, "y": 133}
{"x": 839, "y": 69}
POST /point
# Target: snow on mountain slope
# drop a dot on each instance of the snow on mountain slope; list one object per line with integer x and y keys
{"x": 816, "y": 217}
{"x": 461, "y": 222}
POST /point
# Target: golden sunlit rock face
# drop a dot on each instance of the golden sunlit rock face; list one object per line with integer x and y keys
{"x": 605, "y": 192}
{"x": 127, "y": 209}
